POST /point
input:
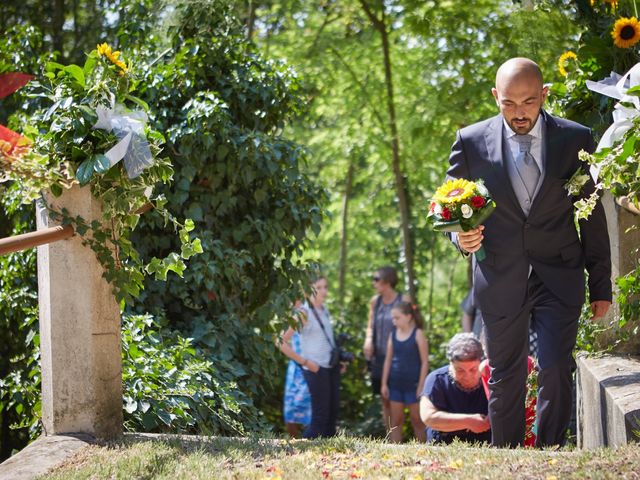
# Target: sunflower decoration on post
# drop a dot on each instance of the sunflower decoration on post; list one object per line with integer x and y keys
{"x": 626, "y": 32}
{"x": 89, "y": 129}
{"x": 460, "y": 205}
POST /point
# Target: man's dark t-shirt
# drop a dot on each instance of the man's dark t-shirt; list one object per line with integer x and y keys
{"x": 447, "y": 396}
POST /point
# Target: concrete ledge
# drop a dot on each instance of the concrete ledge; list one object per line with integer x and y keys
{"x": 608, "y": 399}
{"x": 42, "y": 455}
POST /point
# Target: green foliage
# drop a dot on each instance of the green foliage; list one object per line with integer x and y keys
{"x": 69, "y": 148}
{"x": 20, "y": 49}
{"x": 19, "y": 337}
{"x": 629, "y": 300}
{"x": 224, "y": 109}
{"x": 170, "y": 387}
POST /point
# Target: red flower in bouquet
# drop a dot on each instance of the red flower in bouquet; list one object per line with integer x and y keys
{"x": 446, "y": 214}
{"x": 477, "y": 202}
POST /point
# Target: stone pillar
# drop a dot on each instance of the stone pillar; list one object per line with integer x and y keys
{"x": 79, "y": 330}
{"x": 624, "y": 258}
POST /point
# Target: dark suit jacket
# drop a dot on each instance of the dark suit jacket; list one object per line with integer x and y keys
{"x": 547, "y": 240}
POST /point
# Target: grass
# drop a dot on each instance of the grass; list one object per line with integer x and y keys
{"x": 174, "y": 458}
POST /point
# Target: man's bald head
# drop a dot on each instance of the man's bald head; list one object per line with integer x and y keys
{"x": 519, "y": 93}
{"x": 518, "y": 69}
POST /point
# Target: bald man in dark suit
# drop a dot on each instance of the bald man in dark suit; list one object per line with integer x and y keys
{"x": 535, "y": 258}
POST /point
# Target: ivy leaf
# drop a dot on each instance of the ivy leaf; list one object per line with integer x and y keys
{"x": 101, "y": 163}
{"x": 56, "y": 189}
{"x": 85, "y": 172}
{"x": 164, "y": 416}
{"x": 131, "y": 405}
{"x": 634, "y": 91}
{"x": 190, "y": 249}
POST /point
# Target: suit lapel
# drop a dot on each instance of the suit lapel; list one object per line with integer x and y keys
{"x": 493, "y": 139}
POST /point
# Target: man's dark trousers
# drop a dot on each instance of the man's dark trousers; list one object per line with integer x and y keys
{"x": 556, "y": 324}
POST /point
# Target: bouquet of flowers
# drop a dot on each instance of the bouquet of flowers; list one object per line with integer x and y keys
{"x": 459, "y": 206}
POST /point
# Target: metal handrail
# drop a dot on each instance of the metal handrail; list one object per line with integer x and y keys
{"x": 34, "y": 239}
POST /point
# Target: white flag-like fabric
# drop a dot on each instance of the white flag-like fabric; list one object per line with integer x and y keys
{"x": 132, "y": 146}
{"x": 616, "y": 86}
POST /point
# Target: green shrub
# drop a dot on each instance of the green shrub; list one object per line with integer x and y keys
{"x": 170, "y": 386}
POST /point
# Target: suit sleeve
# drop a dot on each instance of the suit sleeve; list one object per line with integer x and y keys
{"x": 595, "y": 242}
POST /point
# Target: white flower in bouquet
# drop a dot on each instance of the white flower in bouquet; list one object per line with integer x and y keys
{"x": 466, "y": 210}
{"x": 482, "y": 190}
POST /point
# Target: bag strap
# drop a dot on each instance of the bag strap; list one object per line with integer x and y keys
{"x": 375, "y": 320}
{"x": 313, "y": 309}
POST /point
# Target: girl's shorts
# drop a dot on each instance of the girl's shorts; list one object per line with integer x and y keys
{"x": 400, "y": 396}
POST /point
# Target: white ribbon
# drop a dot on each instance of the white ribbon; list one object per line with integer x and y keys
{"x": 616, "y": 86}
{"x": 129, "y": 128}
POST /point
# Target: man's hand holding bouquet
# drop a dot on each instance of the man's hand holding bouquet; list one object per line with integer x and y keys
{"x": 459, "y": 206}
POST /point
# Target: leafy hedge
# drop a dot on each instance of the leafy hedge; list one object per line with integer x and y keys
{"x": 224, "y": 111}
{"x": 171, "y": 387}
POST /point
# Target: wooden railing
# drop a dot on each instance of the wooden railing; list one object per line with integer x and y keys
{"x": 46, "y": 235}
{"x": 34, "y": 239}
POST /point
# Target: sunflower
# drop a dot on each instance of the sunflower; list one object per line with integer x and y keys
{"x": 454, "y": 191}
{"x": 626, "y": 32}
{"x": 563, "y": 60}
{"x": 104, "y": 49}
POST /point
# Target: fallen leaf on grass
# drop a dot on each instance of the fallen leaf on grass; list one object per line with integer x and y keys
{"x": 456, "y": 464}
{"x": 553, "y": 461}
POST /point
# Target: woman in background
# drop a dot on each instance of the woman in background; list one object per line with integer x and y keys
{"x": 321, "y": 373}
{"x": 379, "y": 326}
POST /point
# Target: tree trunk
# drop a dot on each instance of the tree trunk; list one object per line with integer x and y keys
{"x": 343, "y": 240}
{"x": 251, "y": 19}
{"x": 57, "y": 23}
{"x": 401, "y": 187}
